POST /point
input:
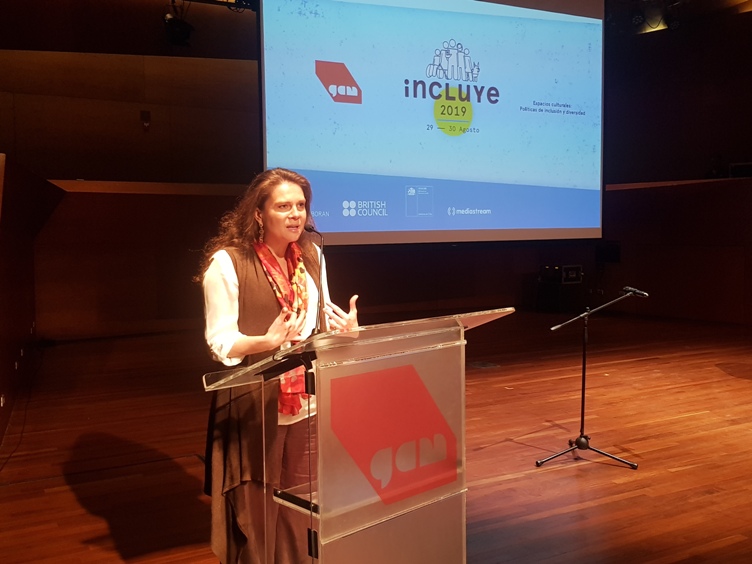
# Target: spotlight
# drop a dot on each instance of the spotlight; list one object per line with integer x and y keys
{"x": 638, "y": 18}
{"x": 178, "y": 31}
{"x": 671, "y": 22}
{"x": 252, "y": 5}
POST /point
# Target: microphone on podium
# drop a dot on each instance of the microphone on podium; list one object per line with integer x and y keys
{"x": 635, "y": 292}
{"x": 319, "y": 305}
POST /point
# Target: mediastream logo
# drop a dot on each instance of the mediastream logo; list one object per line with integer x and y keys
{"x": 395, "y": 433}
{"x": 455, "y": 88}
{"x": 339, "y": 83}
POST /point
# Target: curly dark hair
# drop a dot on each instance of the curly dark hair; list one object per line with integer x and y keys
{"x": 239, "y": 227}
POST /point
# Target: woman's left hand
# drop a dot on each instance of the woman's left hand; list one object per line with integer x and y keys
{"x": 338, "y": 319}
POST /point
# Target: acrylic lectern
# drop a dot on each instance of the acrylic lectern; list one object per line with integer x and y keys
{"x": 387, "y": 480}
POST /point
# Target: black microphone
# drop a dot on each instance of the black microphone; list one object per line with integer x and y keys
{"x": 635, "y": 291}
{"x": 311, "y": 229}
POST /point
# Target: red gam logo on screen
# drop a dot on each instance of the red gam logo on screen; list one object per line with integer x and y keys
{"x": 393, "y": 430}
{"x": 338, "y": 81}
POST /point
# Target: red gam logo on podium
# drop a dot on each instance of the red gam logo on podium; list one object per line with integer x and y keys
{"x": 393, "y": 430}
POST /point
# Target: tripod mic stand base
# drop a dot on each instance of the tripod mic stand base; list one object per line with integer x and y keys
{"x": 583, "y": 443}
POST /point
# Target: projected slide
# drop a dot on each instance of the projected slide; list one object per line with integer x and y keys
{"x": 435, "y": 120}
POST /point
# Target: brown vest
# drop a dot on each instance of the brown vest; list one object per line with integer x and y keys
{"x": 257, "y": 305}
{"x": 234, "y": 457}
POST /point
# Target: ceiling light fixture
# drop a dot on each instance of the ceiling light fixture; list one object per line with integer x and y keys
{"x": 178, "y": 30}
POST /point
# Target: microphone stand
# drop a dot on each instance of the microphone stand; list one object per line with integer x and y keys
{"x": 319, "y": 304}
{"x": 582, "y": 442}
{"x": 313, "y": 545}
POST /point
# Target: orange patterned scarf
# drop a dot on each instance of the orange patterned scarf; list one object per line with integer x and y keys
{"x": 291, "y": 293}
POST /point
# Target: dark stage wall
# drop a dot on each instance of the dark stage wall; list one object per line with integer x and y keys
{"x": 84, "y": 265}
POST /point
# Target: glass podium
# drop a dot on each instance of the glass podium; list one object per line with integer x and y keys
{"x": 386, "y": 481}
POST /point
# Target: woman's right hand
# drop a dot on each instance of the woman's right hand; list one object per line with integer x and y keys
{"x": 286, "y": 327}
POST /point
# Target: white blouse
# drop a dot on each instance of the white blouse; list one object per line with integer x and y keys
{"x": 221, "y": 313}
{"x": 221, "y": 306}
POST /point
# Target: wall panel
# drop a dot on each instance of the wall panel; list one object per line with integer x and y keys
{"x": 25, "y": 204}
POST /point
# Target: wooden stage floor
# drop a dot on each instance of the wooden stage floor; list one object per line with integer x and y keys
{"x": 102, "y": 458}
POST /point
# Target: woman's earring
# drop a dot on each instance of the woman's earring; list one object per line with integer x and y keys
{"x": 261, "y": 232}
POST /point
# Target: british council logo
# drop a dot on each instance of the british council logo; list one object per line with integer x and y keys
{"x": 348, "y": 208}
